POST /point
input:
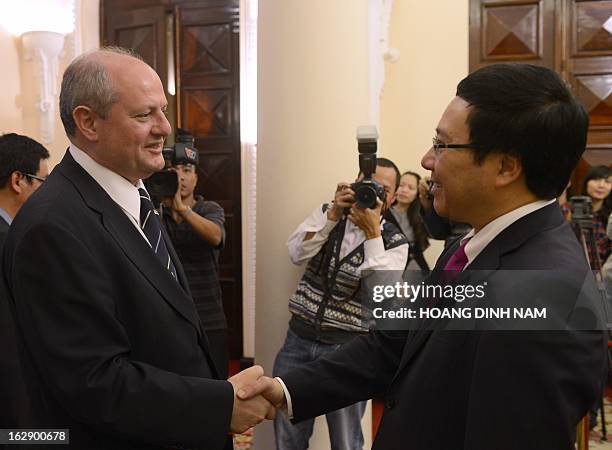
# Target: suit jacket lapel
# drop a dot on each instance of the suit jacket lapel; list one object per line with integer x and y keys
{"x": 142, "y": 256}
{"x": 131, "y": 242}
{"x": 487, "y": 261}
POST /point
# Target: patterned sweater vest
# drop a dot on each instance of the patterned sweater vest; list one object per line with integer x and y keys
{"x": 328, "y": 295}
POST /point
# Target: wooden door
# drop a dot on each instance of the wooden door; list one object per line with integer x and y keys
{"x": 512, "y": 31}
{"x": 573, "y": 37}
{"x": 142, "y": 30}
{"x": 207, "y": 100}
{"x": 587, "y": 66}
{"x": 208, "y": 89}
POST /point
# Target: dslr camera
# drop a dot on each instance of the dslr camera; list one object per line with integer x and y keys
{"x": 165, "y": 182}
{"x": 367, "y": 190}
{"x": 582, "y": 211}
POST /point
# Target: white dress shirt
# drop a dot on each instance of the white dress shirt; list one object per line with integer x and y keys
{"x": 6, "y": 216}
{"x": 119, "y": 189}
{"x": 478, "y": 241}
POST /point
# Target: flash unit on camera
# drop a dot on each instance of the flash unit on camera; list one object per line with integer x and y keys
{"x": 367, "y": 136}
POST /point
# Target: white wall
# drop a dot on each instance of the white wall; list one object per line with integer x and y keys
{"x": 433, "y": 40}
{"x": 10, "y": 115}
{"x": 312, "y": 94}
{"x": 19, "y": 93}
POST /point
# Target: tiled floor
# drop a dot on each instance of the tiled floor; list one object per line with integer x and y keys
{"x": 595, "y": 442}
{"x": 595, "y": 445}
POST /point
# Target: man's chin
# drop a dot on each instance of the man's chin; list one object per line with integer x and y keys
{"x": 440, "y": 208}
{"x": 157, "y": 166}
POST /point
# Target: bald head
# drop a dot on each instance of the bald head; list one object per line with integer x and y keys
{"x": 88, "y": 81}
{"x": 113, "y": 106}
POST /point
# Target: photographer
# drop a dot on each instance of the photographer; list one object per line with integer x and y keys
{"x": 196, "y": 228}
{"x": 338, "y": 241}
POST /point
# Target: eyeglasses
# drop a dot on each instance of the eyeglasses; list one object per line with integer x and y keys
{"x": 439, "y": 147}
{"x": 35, "y": 177}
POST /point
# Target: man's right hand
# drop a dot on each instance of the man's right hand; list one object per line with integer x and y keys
{"x": 343, "y": 198}
{"x": 424, "y": 195}
{"x": 248, "y": 412}
{"x": 267, "y": 387}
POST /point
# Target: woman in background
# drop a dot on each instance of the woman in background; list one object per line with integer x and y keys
{"x": 405, "y": 211}
{"x": 597, "y": 186}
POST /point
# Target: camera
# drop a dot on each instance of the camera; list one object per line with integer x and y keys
{"x": 367, "y": 190}
{"x": 165, "y": 182}
{"x": 582, "y": 211}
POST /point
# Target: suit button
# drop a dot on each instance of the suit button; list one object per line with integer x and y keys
{"x": 389, "y": 403}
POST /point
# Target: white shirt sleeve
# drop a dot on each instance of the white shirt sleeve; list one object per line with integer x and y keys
{"x": 289, "y": 411}
{"x": 376, "y": 258}
{"x": 300, "y": 250}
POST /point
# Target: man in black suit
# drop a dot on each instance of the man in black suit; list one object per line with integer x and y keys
{"x": 111, "y": 343}
{"x": 23, "y": 168}
{"x": 504, "y": 149}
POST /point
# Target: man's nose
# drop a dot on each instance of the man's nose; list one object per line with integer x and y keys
{"x": 163, "y": 127}
{"x": 428, "y": 160}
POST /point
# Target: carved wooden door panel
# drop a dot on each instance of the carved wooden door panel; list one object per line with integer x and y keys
{"x": 573, "y": 37}
{"x": 512, "y": 31}
{"x": 588, "y": 69}
{"x": 209, "y": 107}
{"x": 142, "y": 30}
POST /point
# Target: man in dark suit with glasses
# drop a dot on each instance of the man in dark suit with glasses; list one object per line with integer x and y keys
{"x": 504, "y": 150}
{"x": 23, "y": 168}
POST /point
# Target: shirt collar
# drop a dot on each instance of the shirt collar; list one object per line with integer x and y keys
{"x": 479, "y": 241}
{"x": 119, "y": 189}
{"x": 6, "y": 216}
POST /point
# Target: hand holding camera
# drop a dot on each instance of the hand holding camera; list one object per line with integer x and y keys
{"x": 367, "y": 219}
{"x": 343, "y": 199}
{"x": 177, "y": 203}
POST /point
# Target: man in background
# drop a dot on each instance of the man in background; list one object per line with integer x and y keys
{"x": 23, "y": 168}
{"x": 196, "y": 228}
{"x": 337, "y": 242}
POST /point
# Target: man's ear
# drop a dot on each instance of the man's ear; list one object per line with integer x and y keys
{"x": 86, "y": 121}
{"x": 510, "y": 169}
{"x": 15, "y": 182}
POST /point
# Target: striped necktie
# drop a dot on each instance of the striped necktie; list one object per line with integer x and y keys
{"x": 151, "y": 226}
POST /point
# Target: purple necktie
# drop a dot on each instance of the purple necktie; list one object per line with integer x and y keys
{"x": 458, "y": 260}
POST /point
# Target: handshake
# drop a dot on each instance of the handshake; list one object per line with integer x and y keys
{"x": 256, "y": 397}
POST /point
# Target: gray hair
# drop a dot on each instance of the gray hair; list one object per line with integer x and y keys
{"x": 86, "y": 82}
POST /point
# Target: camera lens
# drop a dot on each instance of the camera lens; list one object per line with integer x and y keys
{"x": 365, "y": 197}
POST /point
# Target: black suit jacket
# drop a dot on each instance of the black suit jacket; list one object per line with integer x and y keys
{"x": 15, "y": 409}
{"x": 111, "y": 344}
{"x": 471, "y": 390}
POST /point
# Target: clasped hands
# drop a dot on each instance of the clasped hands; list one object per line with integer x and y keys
{"x": 256, "y": 397}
